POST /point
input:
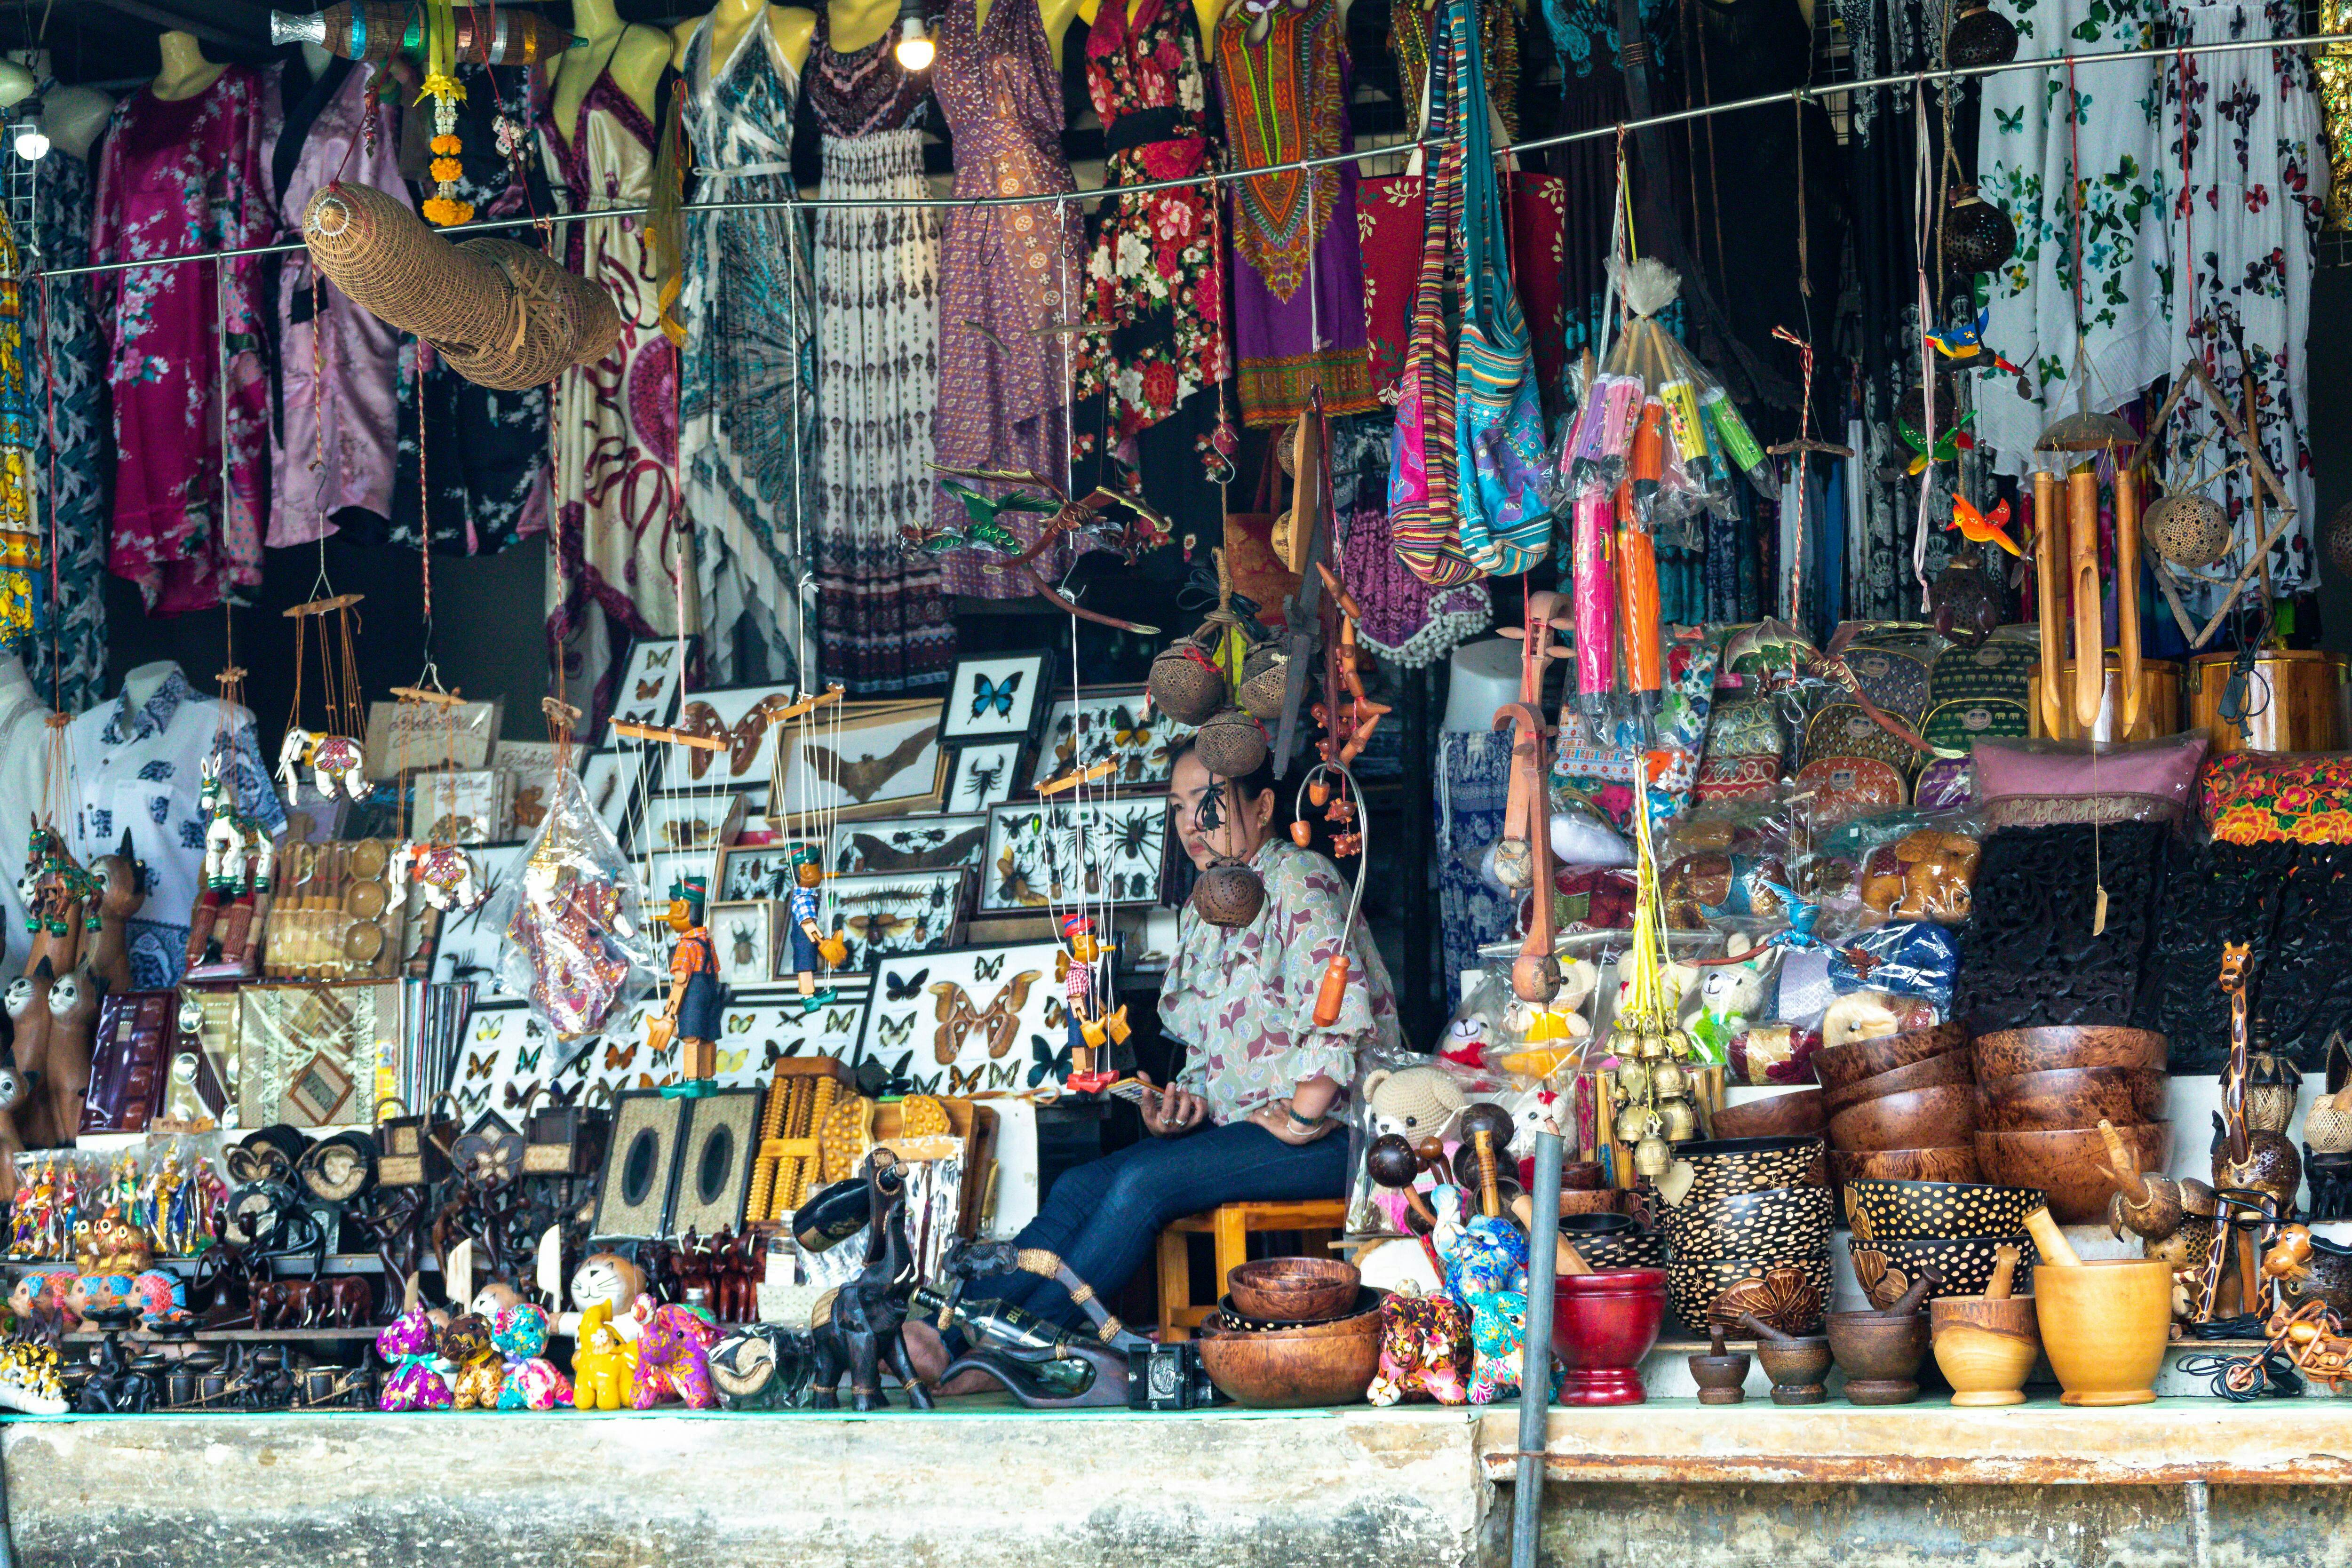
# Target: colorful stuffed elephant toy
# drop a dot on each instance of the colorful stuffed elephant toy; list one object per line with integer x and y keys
{"x": 413, "y": 1379}
{"x": 1498, "y": 1327}
{"x": 1425, "y": 1349}
{"x": 673, "y": 1358}
{"x": 604, "y": 1364}
{"x": 1479, "y": 1254}
{"x": 533, "y": 1382}
{"x": 475, "y": 1373}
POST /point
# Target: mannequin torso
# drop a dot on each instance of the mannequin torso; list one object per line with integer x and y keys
{"x": 789, "y": 29}
{"x": 851, "y": 25}
{"x": 72, "y": 117}
{"x": 635, "y": 55}
{"x": 1207, "y": 11}
{"x": 143, "y": 682}
{"x": 187, "y": 72}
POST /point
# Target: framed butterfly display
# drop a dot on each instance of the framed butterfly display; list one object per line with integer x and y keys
{"x": 916, "y": 844}
{"x": 983, "y": 775}
{"x": 1081, "y": 731}
{"x": 651, "y": 681}
{"x": 743, "y": 718}
{"x": 884, "y": 913}
{"x": 964, "y": 1021}
{"x": 467, "y": 946}
{"x": 502, "y": 1054}
{"x": 1041, "y": 854}
{"x": 995, "y": 697}
{"x": 882, "y": 759}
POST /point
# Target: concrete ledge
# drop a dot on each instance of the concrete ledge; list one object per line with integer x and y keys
{"x": 2300, "y": 1442}
{"x": 1349, "y": 1489}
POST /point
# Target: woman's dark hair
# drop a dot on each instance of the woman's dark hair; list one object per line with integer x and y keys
{"x": 1250, "y": 785}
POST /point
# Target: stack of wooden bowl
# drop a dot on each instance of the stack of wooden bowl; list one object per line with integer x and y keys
{"x": 2040, "y": 1096}
{"x": 1902, "y": 1107}
{"x": 1955, "y": 1228}
{"x": 1754, "y": 1205}
{"x": 1293, "y": 1332}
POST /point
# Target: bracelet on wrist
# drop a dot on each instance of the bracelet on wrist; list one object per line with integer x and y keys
{"x": 1299, "y": 1120}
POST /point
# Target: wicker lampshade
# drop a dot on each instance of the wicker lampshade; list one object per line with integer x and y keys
{"x": 2188, "y": 531}
{"x": 1980, "y": 36}
{"x": 2087, "y": 432}
{"x": 503, "y": 315}
{"x": 1978, "y": 235}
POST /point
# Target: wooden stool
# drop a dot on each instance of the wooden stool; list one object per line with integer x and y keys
{"x": 1314, "y": 1220}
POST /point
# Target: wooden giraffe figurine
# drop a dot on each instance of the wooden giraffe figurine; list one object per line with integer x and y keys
{"x": 2238, "y": 1069}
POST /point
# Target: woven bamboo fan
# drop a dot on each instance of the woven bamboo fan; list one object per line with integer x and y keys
{"x": 503, "y": 315}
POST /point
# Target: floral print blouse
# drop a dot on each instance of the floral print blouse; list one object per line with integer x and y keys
{"x": 1244, "y": 1000}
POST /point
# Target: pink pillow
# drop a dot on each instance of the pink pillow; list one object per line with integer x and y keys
{"x": 2042, "y": 783}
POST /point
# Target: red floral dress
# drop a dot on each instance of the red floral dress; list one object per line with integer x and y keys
{"x": 1155, "y": 329}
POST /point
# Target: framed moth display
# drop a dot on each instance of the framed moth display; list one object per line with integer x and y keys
{"x": 758, "y": 1028}
{"x": 966, "y": 1020}
{"x": 1108, "y": 723}
{"x": 744, "y": 717}
{"x": 1045, "y": 853}
{"x": 880, "y": 759}
{"x": 650, "y": 684}
{"x": 983, "y": 775}
{"x": 884, "y": 913}
{"x": 995, "y": 696}
{"x": 704, "y": 820}
{"x": 915, "y": 844}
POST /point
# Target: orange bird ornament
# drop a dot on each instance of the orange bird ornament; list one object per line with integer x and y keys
{"x": 1982, "y": 527}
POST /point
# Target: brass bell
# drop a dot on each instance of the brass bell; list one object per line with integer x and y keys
{"x": 1669, "y": 1078}
{"x": 1653, "y": 1046}
{"x": 1680, "y": 1121}
{"x": 1651, "y": 1157}
{"x": 1634, "y": 1079}
{"x": 1632, "y": 1123}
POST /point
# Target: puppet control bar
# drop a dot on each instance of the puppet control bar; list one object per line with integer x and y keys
{"x": 1799, "y": 94}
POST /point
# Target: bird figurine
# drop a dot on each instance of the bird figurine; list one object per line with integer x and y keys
{"x": 1950, "y": 444}
{"x": 1966, "y": 348}
{"x": 1982, "y": 527}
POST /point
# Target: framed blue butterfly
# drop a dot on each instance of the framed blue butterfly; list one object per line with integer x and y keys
{"x": 986, "y": 693}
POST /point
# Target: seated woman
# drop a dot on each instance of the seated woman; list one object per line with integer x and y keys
{"x": 1252, "y": 1115}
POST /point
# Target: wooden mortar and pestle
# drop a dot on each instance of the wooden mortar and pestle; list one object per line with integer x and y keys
{"x": 1795, "y": 1362}
{"x": 1880, "y": 1352}
{"x": 2104, "y": 1324}
{"x": 1721, "y": 1372}
{"x": 1987, "y": 1345}
{"x": 1394, "y": 1166}
{"x": 1478, "y": 1163}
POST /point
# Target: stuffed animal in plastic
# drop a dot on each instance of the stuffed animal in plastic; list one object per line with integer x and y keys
{"x": 476, "y": 1374}
{"x": 1731, "y": 998}
{"x": 673, "y": 1359}
{"x": 531, "y": 1381}
{"x": 1414, "y": 1102}
{"x": 1924, "y": 874}
{"x": 1873, "y": 1015}
{"x": 1711, "y": 886}
{"x": 604, "y": 1364}
{"x": 413, "y": 1379}
{"x": 1424, "y": 1350}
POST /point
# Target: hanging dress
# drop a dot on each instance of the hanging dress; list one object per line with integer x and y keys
{"x": 484, "y": 451}
{"x": 2244, "y": 229}
{"x": 1010, "y": 277}
{"x": 1298, "y": 267}
{"x": 20, "y": 589}
{"x": 174, "y": 176}
{"x": 73, "y": 468}
{"x": 748, "y": 407}
{"x": 882, "y": 623}
{"x": 619, "y": 545}
{"x": 1154, "y": 348}
{"x": 332, "y": 429}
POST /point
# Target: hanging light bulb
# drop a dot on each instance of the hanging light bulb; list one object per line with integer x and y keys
{"x": 31, "y": 145}
{"x": 915, "y": 50}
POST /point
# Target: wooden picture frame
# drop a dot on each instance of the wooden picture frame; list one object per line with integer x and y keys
{"x": 909, "y": 844}
{"x": 889, "y": 763}
{"x": 993, "y": 1027}
{"x": 1107, "y": 722}
{"x": 984, "y": 773}
{"x": 739, "y": 713}
{"x": 884, "y": 914}
{"x": 699, "y": 822}
{"x": 651, "y": 681}
{"x": 1047, "y": 854}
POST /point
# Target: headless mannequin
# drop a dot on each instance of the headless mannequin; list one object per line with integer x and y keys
{"x": 186, "y": 73}
{"x": 636, "y": 55}
{"x": 855, "y": 24}
{"x": 72, "y": 117}
{"x": 790, "y": 30}
{"x": 316, "y": 57}
{"x": 1208, "y": 11}
{"x": 143, "y": 682}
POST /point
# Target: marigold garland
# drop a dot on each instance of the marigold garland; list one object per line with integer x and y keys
{"x": 443, "y": 207}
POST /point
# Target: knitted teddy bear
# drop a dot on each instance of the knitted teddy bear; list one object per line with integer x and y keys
{"x": 1414, "y": 1102}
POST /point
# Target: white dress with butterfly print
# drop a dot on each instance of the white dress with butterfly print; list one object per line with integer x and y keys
{"x": 1243, "y": 1000}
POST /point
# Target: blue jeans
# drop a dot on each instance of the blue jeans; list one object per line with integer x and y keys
{"x": 1103, "y": 1218}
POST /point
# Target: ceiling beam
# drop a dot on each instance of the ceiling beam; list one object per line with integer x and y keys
{"x": 251, "y": 21}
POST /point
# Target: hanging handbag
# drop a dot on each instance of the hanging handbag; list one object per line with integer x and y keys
{"x": 1424, "y": 503}
{"x": 1498, "y": 419}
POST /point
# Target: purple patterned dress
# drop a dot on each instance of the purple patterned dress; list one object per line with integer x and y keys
{"x": 1010, "y": 277}
{"x": 883, "y": 625}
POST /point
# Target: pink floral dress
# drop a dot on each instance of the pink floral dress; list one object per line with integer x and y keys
{"x": 1244, "y": 1000}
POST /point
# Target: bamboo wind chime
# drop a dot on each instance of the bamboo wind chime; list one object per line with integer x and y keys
{"x": 2071, "y": 534}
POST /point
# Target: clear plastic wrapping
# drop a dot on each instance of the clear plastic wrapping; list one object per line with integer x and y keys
{"x": 576, "y": 946}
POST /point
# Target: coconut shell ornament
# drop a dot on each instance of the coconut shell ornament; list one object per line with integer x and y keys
{"x": 2337, "y": 538}
{"x": 1980, "y": 36}
{"x": 1978, "y": 235}
{"x": 1231, "y": 744}
{"x": 1184, "y": 685}
{"x": 1966, "y": 598}
{"x": 1228, "y": 894}
{"x": 2189, "y": 531}
{"x": 1210, "y": 666}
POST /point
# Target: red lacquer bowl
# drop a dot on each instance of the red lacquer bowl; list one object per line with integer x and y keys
{"x": 1602, "y": 1325}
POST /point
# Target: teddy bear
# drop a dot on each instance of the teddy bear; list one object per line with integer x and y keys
{"x": 1924, "y": 874}
{"x": 476, "y": 1374}
{"x": 413, "y": 1379}
{"x": 1713, "y": 885}
{"x": 1731, "y": 996}
{"x": 1425, "y": 1349}
{"x": 1414, "y": 1103}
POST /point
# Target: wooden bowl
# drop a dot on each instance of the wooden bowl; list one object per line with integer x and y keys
{"x": 1952, "y": 1067}
{"x": 1939, "y": 1118}
{"x": 2104, "y": 1326}
{"x": 1986, "y": 1348}
{"x": 1630, "y": 1249}
{"x": 1779, "y": 1222}
{"x": 1879, "y": 1354}
{"x": 1693, "y": 1286}
{"x": 1837, "y": 1066}
{"x": 1915, "y": 1210}
{"x": 1232, "y": 1320}
{"x": 1797, "y": 1113}
{"x": 1609, "y": 1200}
{"x": 1602, "y": 1325}
{"x": 2066, "y": 1165}
{"x": 1278, "y": 1371}
{"x": 1726, "y": 1167}
{"x": 2070, "y": 1097}
{"x": 2010, "y": 1052}
{"x": 1885, "y": 1270}
{"x": 1942, "y": 1165}
{"x": 1293, "y": 1290}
